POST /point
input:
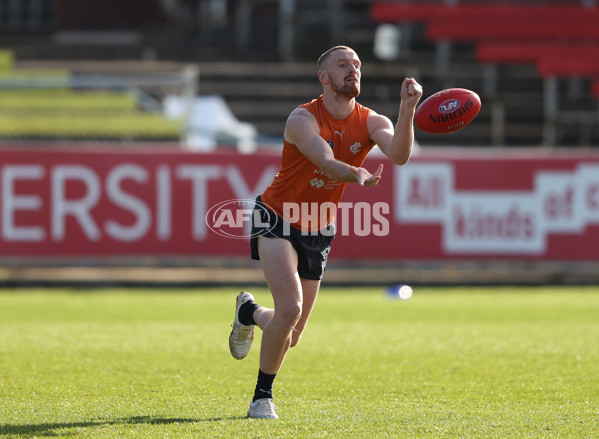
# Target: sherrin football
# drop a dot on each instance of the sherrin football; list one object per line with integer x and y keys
{"x": 447, "y": 111}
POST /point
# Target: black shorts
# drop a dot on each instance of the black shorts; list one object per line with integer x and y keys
{"x": 312, "y": 249}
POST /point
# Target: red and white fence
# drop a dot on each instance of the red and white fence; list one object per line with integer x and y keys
{"x": 441, "y": 205}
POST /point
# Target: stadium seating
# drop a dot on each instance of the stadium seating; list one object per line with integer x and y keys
{"x": 561, "y": 40}
{"x": 516, "y": 52}
{"x": 508, "y": 33}
{"x": 475, "y": 23}
{"x": 595, "y": 88}
{"x": 580, "y": 61}
{"x": 403, "y": 12}
{"x": 469, "y": 22}
{"x": 7, "y": 60}
{"x": 43, "y": 104}
{"x": 82, "y": 115}
{"x": 552, "y": 59}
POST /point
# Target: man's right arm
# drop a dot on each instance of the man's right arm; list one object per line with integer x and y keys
{"x": 302, "y": 131}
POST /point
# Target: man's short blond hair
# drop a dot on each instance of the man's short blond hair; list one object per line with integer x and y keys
{"x": 323, "y": 58}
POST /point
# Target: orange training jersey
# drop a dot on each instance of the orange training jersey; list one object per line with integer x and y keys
{"x": 300, "y": 192}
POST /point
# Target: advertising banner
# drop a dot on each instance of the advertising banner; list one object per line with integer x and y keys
{"x": 493, "y": 205}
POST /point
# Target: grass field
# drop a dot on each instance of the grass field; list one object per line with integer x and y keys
{"x": 449, "y": 362}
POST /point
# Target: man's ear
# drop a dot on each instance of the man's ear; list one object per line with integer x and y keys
{"x": 323, "y": 77}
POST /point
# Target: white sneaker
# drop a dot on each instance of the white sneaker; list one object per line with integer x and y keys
{"x": 262, "y": 409}
{"x": 241, "y": 336}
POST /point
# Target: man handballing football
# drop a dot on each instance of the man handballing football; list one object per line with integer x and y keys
{"x": 328, "y": 137}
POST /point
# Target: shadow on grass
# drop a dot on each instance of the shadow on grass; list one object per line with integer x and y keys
{"x": 48, "y": 429}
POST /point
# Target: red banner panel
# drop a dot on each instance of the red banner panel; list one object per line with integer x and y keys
{"x": 495, "y": 205}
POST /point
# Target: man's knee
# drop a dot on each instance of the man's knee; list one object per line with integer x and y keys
{"x": 290, "y": 313}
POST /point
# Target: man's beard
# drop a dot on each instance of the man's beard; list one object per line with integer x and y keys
{"x": 347, "y": 90}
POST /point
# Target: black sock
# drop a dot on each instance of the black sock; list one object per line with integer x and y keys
{"x": 264, "y": 386}
{"x": 246, "y": 313}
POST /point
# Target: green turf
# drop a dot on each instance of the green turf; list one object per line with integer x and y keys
{"x": 502, "y": 362}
